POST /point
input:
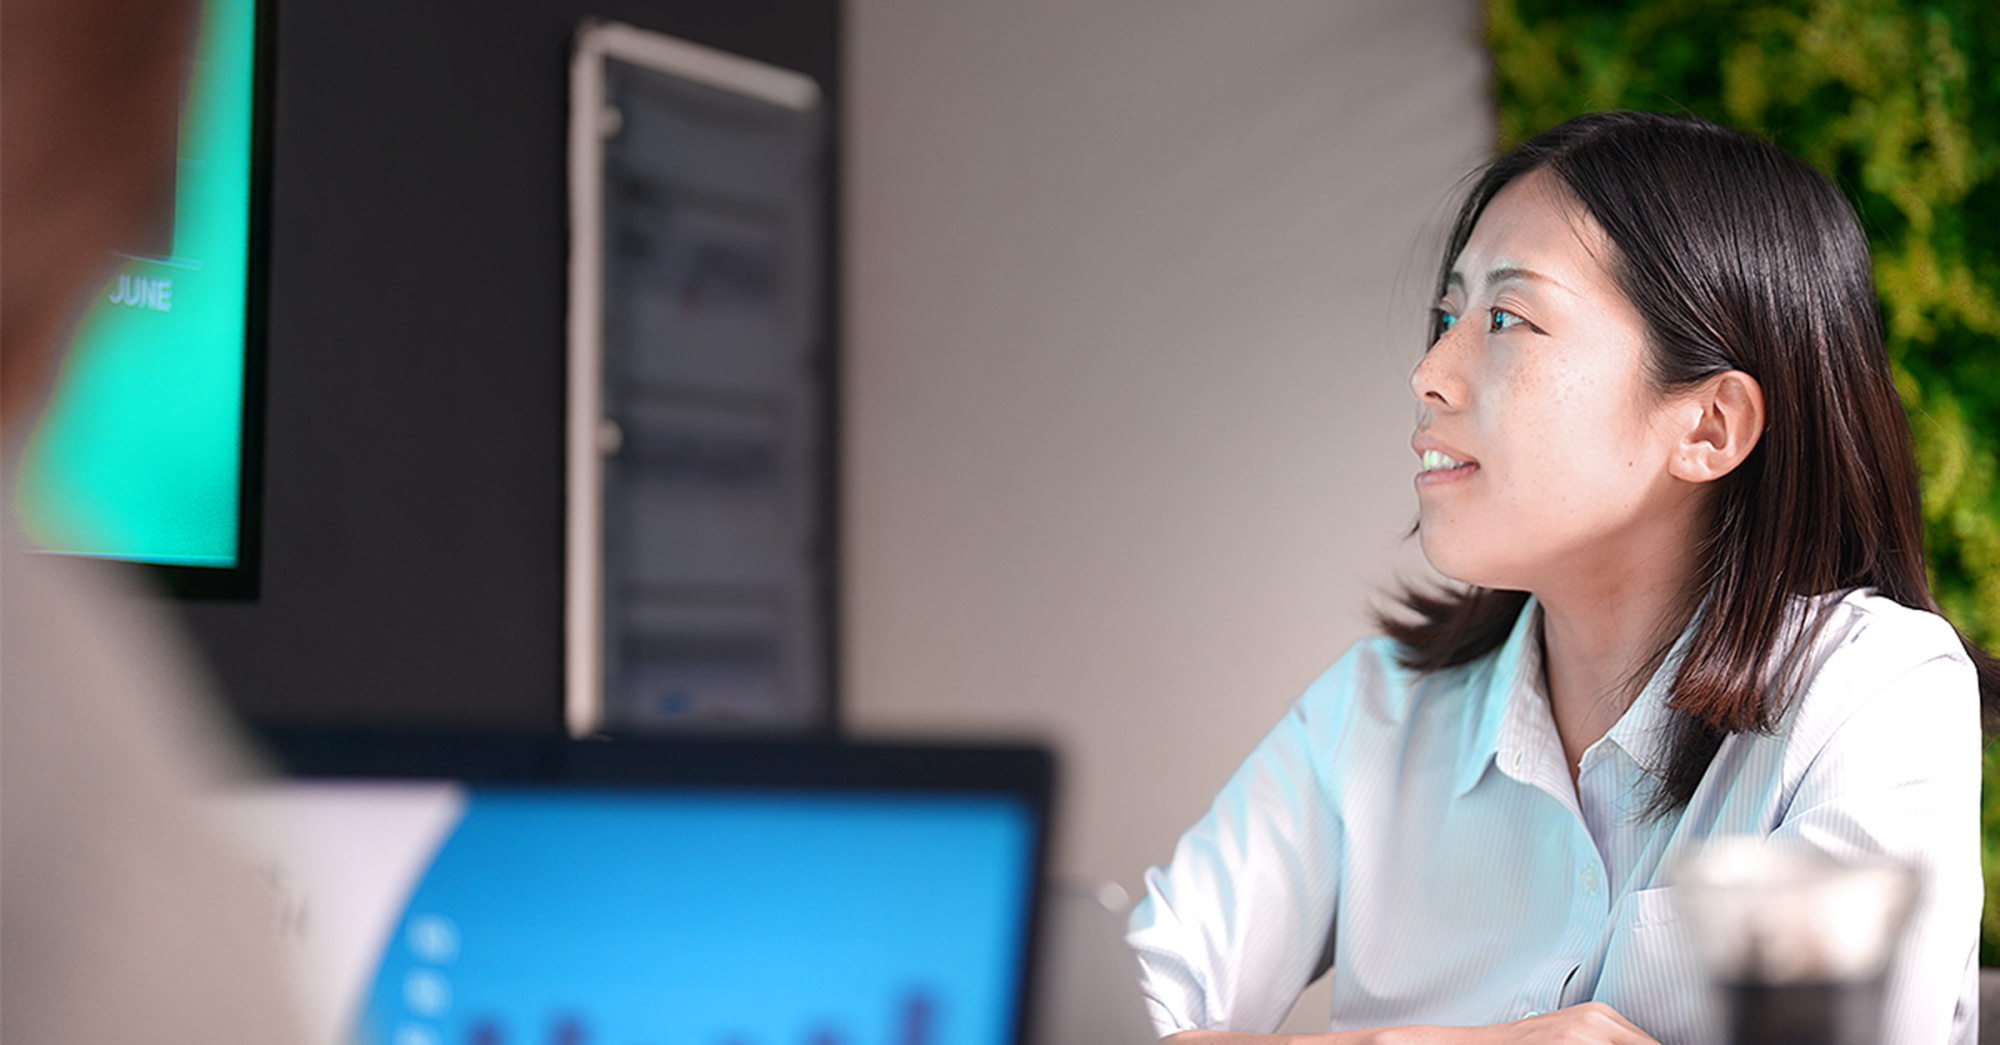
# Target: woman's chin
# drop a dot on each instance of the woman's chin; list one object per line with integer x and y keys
{"x": 1447, "y": 557}
{"x": 1461, "y": 565}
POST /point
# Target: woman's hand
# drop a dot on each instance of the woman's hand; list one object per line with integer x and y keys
{"x": 1592, "y": 1023}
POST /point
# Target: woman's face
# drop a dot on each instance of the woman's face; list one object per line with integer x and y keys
{"x": 1543, "y": 447}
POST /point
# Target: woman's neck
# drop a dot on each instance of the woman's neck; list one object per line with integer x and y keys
{"x": 1597, "y": 645}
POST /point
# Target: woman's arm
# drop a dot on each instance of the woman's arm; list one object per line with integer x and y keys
{"x": 1593, "y": 1023}
{"x": 1236, "y": 924}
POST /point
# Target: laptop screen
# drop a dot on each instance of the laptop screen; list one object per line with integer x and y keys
{"x": 554, "y": 912}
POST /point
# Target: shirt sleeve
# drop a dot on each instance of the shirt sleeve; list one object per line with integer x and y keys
{"x": 1899, "y": 777}
{"x": 1239, "y": 922}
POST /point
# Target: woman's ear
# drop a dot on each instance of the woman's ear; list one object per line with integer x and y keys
{"x": 1726, "y": 418}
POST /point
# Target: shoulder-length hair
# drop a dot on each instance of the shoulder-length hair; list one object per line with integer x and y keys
{"x": 1738, "y": 257}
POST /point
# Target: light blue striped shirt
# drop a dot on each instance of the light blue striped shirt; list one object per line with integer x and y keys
{"x": 1422, "y": 834}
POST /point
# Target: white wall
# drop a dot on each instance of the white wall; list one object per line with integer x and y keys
{"x": 1133, "y": 290}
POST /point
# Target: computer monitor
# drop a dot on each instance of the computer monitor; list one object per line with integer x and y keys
{"x": 149, "y": 451}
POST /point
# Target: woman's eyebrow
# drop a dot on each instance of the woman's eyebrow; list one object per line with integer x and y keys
{"x": 1514, "y": 273}
{"x": 1504, "y": 274}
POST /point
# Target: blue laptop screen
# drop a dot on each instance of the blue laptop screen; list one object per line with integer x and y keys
{"x": 518, "y": 915}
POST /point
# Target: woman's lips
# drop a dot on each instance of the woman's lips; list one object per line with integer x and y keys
{"x": 1437, "y": 466}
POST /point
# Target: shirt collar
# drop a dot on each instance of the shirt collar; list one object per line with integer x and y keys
{"x": 1516, "y": 669}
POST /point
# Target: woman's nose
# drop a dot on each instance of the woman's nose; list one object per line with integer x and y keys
{"x": 1438, "y": 381}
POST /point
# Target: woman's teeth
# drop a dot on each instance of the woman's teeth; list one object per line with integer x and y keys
{"x": 1433, "y": 461}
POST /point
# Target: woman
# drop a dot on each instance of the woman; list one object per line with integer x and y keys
{"x": 1660, "y": 445}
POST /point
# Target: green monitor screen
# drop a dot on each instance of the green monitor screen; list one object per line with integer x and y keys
{"x": 148, "y": 450}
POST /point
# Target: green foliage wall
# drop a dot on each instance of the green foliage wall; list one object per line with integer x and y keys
{"x": 1900, "y": 103}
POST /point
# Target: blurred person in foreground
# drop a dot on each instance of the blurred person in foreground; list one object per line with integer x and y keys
{"x": 123, "y": 918}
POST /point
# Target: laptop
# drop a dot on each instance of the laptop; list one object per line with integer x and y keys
{"x": 484, "y": 889}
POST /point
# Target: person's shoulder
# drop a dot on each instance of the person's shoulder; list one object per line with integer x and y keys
{"x": 1370, "y": 682}
{"x": 1370, "y": 665}
{"x": 1866, "y": 626}
{"x": 1871, "y": 647}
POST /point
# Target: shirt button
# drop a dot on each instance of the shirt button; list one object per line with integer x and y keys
{"x": 1589, "y": 877}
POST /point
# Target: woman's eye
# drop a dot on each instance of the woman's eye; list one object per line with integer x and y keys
{"x": 1504, "y": 320}
{"x": 1442, "y": 320}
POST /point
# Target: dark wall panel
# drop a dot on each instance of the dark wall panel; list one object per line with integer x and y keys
{"x": 413, "y": 510}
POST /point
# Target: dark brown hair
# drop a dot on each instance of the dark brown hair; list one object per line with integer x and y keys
{"x": 1738, "y": 257}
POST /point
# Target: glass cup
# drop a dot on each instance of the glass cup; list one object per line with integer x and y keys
{"x": 1797, "y": 943}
